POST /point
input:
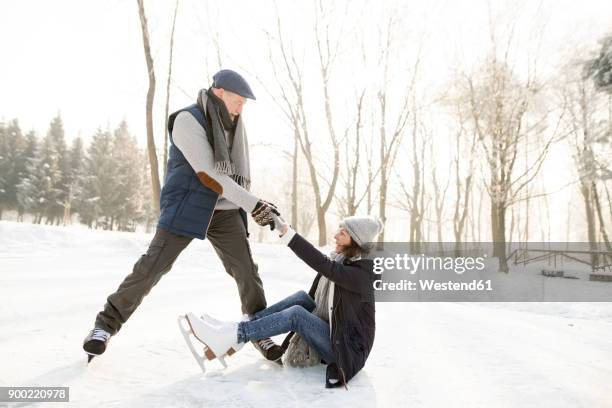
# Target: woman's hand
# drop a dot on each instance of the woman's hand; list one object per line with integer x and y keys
{"x": 280, "y": 224}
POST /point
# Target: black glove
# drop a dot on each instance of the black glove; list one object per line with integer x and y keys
{"x": 262, "y": 214}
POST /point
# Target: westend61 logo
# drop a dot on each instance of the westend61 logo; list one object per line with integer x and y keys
{"x": 489, "y": 272}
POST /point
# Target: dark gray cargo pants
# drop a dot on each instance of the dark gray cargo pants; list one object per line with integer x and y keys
{"x": 226, "y": 233}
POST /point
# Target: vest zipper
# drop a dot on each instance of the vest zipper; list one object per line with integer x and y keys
{"x": 213, "y": 213}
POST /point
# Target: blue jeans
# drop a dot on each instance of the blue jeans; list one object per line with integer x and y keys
{"x": 290, "y": 314}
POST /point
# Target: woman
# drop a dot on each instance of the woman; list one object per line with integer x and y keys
{"x": 343, "y": 334}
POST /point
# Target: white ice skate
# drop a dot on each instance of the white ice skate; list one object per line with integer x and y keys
{"x": 219, "y": 340}
{"x": 266, "y": 346}
{"x": 216, "y": 322}
{"x": 209, "y": 319}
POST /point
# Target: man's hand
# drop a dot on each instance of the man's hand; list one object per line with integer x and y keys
{"x": 263, "y": 213}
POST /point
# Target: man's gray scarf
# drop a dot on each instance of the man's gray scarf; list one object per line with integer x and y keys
{"x": 299, "y": 353}
{"x": 230, "y": 160}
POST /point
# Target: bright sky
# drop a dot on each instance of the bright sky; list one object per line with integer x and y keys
{"x": 85, "y": 58}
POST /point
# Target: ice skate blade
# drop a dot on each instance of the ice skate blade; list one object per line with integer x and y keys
{"x": 209, "y": 353}
{"x": 186, "y": 335}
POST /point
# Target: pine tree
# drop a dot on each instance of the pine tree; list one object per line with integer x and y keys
{"x": 125, "y": 207}
{"x": 3, "y": 167}
{"x": 98, "y": 184}
{"x": 27, "y": 156}
{"x": 146, "y": 211}
{"x": 37, "y": 193}
{"x": 56, "y": 209}
{"x": 600, "y": 68}
{"x": 74, "y": 172}
{"x": 12, "y": 145}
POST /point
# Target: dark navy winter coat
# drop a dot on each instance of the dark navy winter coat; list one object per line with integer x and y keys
{"x": 353, "y": 311}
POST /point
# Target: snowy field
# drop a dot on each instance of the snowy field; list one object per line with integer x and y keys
{"x": 54, "y": 280}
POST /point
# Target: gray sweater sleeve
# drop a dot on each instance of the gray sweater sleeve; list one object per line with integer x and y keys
{"x": 190, "y": 138}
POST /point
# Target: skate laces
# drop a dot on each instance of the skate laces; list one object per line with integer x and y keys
{"x": 100, "y": 335}
{"x": 266, "y": 344}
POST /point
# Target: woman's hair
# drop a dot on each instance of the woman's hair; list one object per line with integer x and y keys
{"x": 351, "y": 250}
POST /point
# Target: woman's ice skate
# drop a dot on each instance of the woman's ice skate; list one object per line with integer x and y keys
{"x": 219, "y": 340}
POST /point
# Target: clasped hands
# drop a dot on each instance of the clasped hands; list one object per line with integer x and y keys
{"x": 266, "y": 213}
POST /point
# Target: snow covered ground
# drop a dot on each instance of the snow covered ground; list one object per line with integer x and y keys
{"x": 54, "y": 280}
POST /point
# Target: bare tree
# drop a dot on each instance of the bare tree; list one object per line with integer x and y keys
{"x": 294, "y": 183}
{"x": 356, "y": 143}
{"x": 586, "y": 124}
{"x": 439, "y": 197}
{"x": 306, "y": 222}
{"x": 599, "y": 70}
{"x": 577, "y": 98}
{"x": 414, "y": 198}
{"x": 327, "y": 52}
{"x": 350, "y": 202}
{"x": 284, "y": 101}
{"x": 369, "y": 148}
{"x": 600, "y": 217}
{"x": 290, "y": 100}
{"x": 499, "y": 106}
{"x": 390, "y": 141}
{"x": 155, "y": 185}
{"x": 464, "y": 178}
{"x": 166, "y": 134}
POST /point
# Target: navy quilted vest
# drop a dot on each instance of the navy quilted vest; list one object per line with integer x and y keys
{"x": 186, "y": 205}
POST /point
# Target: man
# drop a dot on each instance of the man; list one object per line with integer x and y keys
{"x": 205, "y": 194}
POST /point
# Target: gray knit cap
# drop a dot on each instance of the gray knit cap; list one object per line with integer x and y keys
{"x": 363, "y": 230}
